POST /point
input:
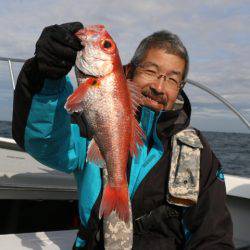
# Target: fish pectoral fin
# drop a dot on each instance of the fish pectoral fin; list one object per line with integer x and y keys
{"x": 137, "y": 137}
{"x": 94, "y": 154}
{"x": 74, "y": 102}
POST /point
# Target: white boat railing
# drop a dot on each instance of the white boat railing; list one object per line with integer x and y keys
{"x": 192, "y": 82}
{"x": 222, "y": 99}
{"x": 10, "y": 60}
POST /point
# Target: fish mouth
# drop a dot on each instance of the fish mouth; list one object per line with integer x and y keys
{"x": 81, "y": 76}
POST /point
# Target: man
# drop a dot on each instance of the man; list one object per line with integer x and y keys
{"x": 176, "y": 183}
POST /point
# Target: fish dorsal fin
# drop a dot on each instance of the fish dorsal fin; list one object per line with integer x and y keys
{"x": 135, "y": 95}
{"x": 137, "y": 134}
{"x": 137, "y": 137}
{"x": 94, "y": 154}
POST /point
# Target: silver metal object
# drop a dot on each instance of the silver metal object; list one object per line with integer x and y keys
{"x": 11, "y": 74}
{"x": 9, "y": 60}
{"x": 12, "y": 59}
{"x": 222, "y": 99}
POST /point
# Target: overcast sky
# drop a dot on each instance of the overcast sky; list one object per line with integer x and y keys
{"x": 216, "y": 34}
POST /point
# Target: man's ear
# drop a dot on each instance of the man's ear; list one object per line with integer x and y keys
{"x": 128, "y": 71}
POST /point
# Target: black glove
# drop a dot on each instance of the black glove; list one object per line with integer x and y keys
{"x": 56, "y": 49}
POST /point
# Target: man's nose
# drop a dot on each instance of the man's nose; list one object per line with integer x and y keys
{"x": 157, "y": 87}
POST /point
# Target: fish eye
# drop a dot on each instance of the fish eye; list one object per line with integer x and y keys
{"x": 94, "y": 82}
{"x": 107, "y": 44}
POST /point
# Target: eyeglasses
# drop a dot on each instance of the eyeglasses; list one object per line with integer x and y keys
{"x": 152, "y": 74}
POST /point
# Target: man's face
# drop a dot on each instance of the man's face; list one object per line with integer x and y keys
{"x": 159, "y": 92}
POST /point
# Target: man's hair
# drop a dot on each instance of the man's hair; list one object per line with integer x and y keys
{"x": 166, "y": 41}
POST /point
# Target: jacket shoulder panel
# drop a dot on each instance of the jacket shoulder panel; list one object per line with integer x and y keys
{"x": 189, "y": 137}
{"x": 184, "y": 176}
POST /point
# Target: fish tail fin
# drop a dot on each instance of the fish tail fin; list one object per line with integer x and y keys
{"x": 115, "y": 198}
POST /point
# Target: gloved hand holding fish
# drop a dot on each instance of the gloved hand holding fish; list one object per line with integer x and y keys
{"x": 109, "y": 103}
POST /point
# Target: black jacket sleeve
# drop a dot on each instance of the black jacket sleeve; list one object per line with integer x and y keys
{"x": 29, "y": 83}
{"x": 208, "y": 224}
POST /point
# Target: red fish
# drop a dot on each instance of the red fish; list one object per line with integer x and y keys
{"x": 109, "y": 103}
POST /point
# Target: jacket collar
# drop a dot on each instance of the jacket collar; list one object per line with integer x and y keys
{"x": 168, "y": 122}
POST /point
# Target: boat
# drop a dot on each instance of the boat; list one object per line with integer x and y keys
{"x": 24, "y": 183}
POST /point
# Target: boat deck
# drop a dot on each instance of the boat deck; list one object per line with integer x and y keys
{"x": 56, "y": 240}
{"x": 22, "y": 177}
